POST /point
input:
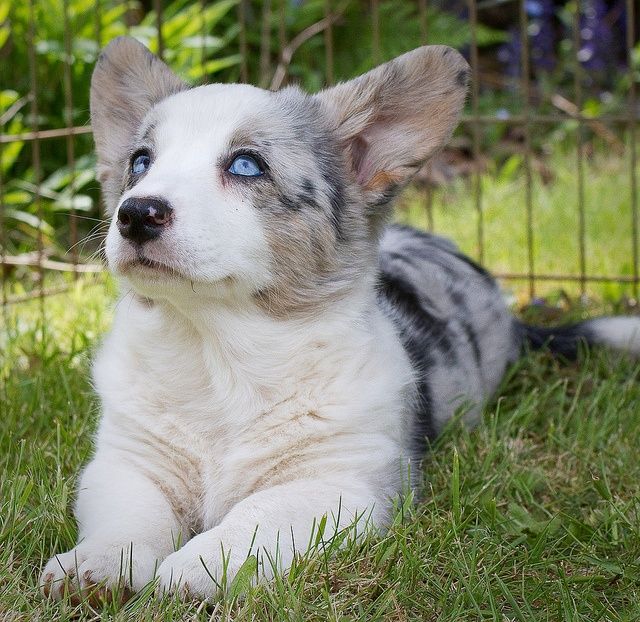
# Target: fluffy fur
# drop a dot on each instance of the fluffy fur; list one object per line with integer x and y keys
{"x": 279, "y": 355}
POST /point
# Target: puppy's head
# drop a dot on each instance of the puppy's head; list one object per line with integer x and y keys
{"x": 229, "y": 191}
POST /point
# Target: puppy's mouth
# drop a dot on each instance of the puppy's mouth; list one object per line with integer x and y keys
{"x": 150, "y": 267}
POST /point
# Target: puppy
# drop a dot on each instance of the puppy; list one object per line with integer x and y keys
{"x": 281, "y": 354}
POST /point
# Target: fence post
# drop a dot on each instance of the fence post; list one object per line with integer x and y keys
{"x": 633, "y": 120}
{"x": 475, "y": 127}
{"x": 526, "y": 95}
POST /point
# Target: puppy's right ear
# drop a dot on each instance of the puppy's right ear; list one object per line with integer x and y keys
{"x": 127, "y": 81}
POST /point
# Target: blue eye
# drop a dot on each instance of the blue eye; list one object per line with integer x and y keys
{"x": 245, "y": 166}
{"x": 140, "y": 162}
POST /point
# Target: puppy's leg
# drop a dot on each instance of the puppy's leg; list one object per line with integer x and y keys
{"x": 271, "y": 524}
{"x": 126, "y": 528}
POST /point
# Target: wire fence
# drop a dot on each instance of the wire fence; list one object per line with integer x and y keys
{"x": 256, "y": 26}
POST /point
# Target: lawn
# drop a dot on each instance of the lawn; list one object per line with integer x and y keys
{"x": 534, "y": 515}
{"x": 607, "y": 219}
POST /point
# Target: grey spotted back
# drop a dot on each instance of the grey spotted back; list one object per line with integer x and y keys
{"x": 453, "y": 322}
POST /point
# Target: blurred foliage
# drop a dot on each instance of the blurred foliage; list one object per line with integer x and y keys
{"x": 400, "y": 30}
{"x": 198, "y": 41}
{"x": 202, "y": 42}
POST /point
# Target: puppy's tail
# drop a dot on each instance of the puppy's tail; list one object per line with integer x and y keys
{"x": 620, "y": 333}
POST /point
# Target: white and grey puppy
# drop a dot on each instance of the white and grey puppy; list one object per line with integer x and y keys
{"x": 283, "y": 355}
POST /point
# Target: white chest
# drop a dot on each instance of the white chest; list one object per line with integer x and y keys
{"x": 213, "y": 420}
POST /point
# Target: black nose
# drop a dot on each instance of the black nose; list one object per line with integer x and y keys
{"x": 141, "y": 219}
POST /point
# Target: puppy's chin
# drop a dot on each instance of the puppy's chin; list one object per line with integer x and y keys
{"x": 159, "y": 272}
{"x": 147, "y": 270}
{"x": 155, "y": 281}
{"x": 144, "y": 268}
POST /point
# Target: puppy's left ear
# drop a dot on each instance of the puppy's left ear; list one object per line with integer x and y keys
{"x": 393, "y": 118}
{"x": 126, "y": 82}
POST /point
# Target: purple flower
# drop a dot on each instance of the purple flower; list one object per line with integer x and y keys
{"x": 594, "y": 35}
{"x": 601, "y": 37}
{"x": 509, "y": 53}
{"x": 541, "y": 39}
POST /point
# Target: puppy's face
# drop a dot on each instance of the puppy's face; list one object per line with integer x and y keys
{"x": 228, "y": 187}
{"x": 229, "y": 191}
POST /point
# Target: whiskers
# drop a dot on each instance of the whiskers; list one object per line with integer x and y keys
{"x": 97, "y": 233}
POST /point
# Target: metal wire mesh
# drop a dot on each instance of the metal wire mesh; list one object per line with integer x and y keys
{"x": 261, "y": 23}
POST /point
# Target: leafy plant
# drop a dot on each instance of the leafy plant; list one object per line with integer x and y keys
{"x": 202, "y": 41}
{"x": 198, "y": 42}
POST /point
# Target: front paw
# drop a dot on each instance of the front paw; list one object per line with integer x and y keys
{"x": 202, "y": 568}
{"x": 98, "y": 571}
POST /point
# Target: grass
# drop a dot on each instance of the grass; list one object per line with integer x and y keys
{"x": 607, "y": 209}
{"x": 534, "y": 515}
